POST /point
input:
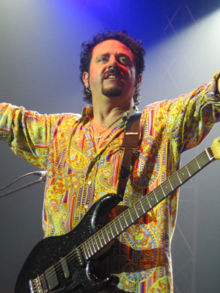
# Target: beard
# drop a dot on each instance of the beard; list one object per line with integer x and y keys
{"x": 112, "y": 91}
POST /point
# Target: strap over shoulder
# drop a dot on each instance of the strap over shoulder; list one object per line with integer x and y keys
{"x": 130, "y": 144}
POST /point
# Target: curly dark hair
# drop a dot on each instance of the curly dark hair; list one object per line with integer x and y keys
{"x": 86, "y": 53}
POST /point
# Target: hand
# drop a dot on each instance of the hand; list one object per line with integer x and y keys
{"x": 218, "y": 84}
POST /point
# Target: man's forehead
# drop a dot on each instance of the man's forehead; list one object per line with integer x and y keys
{"x": 111, "y": 46}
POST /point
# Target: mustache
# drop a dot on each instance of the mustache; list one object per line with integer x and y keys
{"x": 112, "y": 70}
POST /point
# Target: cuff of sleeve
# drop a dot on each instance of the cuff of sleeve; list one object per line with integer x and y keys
{"x": 217, "y": 79}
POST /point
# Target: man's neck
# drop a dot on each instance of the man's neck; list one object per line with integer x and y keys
{"x": 107, "y": 113}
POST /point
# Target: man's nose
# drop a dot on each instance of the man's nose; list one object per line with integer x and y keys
{"x": 113, "y": 61}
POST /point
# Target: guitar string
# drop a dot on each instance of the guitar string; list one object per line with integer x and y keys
{"x": 56, "y": 269}
{"x": 72, "y": 255}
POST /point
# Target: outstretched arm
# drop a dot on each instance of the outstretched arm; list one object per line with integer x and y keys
{"x": 26, "y": 132}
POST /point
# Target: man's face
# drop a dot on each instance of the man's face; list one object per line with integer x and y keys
{"x": 112, "y": 70}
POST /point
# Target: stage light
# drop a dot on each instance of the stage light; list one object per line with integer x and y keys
{"x": 182, "y": 62}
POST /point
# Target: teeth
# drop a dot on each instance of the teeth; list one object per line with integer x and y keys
{"x": 112, "y": 76}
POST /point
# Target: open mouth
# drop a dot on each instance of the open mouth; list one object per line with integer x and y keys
{"x": 112, "y": 76}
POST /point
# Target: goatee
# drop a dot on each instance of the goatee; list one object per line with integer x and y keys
{"x": 112, "y": 92}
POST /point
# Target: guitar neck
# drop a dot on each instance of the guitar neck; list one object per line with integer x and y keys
{"x": 114, "y": 228}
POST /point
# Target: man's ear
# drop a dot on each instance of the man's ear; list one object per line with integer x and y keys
{"x": 85, "y": 78}
{"x": 138, "y": 81}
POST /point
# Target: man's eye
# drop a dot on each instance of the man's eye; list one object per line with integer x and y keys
{"x": 124, "y": 60}
{"x": 103, "y": 59}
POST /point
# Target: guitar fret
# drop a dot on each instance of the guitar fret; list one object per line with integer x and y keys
{"x": 141, "y": 204}
{"x": 208, "y": 154}
{"x": 117, "y": 232}
{"x": 114, "y": 229}
{"x": 193, "y": 167}
{"x": 166, "y": 187}
{"x": 155, "y": 196}
{"x": 148, "y": 202}
{"x": 132, "y": 220}
{"x": 170, "y": 183}
{"x": 188, "y": 171}
{"x": 104, "y": 237}
{"x": 197, "y": 163}
{"x": 85, "y": 252}
{"x": 175, "y": 181}
{"x": 130, "y": 217}
{"x": 203, "y": 158}
{"x": 110, "y": 227}
{"x": 177, "y": 174}
{"x": 120, "y": 224}
{"x": 94, "y": 239}
{"x": 183, "y": 174}
{"x": 160, "y": 193}
{"x": 164, "y": 194}
{"x": 101, "y": 239}
{"x": 109, "y": 233}
{"x": 93, "y": 246}
{"x": 136, "y": 212}
{"x": 152, "y": 199}
{"x": 125, "y": 218}
{"x": 105, "y": 232}
{"x": 96, "y": 244}
{"x": 88, "y": 249}
{"x": 139, "y": 208}
{"x": 99, "y": 244}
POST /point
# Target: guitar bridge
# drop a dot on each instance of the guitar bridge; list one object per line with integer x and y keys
{"x": 35, "y": 286}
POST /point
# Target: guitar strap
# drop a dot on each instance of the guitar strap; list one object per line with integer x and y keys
{"x": 130, "y": 145}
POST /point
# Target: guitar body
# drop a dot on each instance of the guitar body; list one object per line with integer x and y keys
{"x": 77, "y": 277}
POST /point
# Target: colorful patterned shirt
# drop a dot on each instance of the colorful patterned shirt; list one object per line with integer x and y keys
{"x": 79, "y": 174}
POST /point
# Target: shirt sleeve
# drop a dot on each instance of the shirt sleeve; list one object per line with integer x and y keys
{"x": 192, "y": 115}
{"x": 26, "y": 132}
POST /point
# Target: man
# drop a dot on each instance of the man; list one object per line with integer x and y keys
{"x": 82, "y": 155}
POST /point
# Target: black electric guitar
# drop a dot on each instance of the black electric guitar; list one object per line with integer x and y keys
{"x": 69, "y": 263}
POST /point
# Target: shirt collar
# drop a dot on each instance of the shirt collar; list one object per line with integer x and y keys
{"x": 87, "y": 113}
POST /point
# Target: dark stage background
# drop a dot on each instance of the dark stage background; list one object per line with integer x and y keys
{"x": 39, "y": 61}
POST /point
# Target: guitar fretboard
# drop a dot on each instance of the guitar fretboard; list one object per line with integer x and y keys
{"x": 114, "y": 228}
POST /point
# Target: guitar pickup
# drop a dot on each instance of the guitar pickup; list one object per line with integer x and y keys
{"x": 65, "y": 268}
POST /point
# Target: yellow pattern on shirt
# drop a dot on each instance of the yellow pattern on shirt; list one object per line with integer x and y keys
{"x": 79, "y": 175}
